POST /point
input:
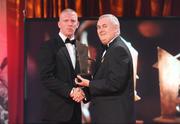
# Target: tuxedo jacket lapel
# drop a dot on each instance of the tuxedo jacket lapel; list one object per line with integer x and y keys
{"x": 119, "y": 41}
{"x": 64, "y": 50}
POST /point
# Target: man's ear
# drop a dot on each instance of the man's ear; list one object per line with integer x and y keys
{"x": 77, "y": 24}
{"x": 59, "y": 24}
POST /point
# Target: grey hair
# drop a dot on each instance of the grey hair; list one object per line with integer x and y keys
{"x": 114, "y": 21}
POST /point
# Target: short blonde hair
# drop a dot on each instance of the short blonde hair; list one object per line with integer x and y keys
{"x": 68, "y": 10}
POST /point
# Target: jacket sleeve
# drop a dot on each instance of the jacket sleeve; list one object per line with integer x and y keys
{"x": 48, "y": 76}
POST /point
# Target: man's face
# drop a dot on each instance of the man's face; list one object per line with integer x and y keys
{"x": 68, "y": 23}
{"x": 106, "y": 30}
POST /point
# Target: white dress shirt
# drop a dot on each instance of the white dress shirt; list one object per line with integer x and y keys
{"x": 71, "y": 49}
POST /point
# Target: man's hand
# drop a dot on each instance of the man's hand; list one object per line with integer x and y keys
{"x": 82, "y": 81}
{"x": 77, "y": 94}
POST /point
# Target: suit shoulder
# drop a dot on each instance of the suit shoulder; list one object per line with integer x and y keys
{"x": 118, "y": 51}
{"x": 121, "y": 46}
{"x": 118, "y": 48}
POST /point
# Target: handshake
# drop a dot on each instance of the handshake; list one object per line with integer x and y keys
{"x": 77, "y": 94}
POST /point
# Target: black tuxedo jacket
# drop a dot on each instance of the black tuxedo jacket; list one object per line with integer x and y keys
{"x": 112, "y": 90}
{"x": 57, "y": 76}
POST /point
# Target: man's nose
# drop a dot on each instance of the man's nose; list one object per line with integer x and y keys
{"x": 100, "y": 30}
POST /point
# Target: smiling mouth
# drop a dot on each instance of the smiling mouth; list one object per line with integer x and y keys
{"x": 102, "y": 33}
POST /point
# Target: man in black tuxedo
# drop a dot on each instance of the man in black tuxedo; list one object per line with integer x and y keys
{"x": 58, "y": 68}
{"x": 112, "y": 89}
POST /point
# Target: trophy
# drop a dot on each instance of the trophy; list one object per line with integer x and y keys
{"x": 169, "y": 81}
{"x": 84, "y": 61}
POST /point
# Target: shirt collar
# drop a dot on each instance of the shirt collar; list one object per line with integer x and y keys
{"x": 64, "y": 37}
{"x": 111, "y": 40}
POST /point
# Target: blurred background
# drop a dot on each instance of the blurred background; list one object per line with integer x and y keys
{"x": 12, "y": 50}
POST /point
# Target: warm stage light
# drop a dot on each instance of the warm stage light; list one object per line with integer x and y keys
{"x": 169, "y": 81}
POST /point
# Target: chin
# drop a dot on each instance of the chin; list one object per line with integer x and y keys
{"x": 69, "y": 35}
{"x": 104, "y": 43}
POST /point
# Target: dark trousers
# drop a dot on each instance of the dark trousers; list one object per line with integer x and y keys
{"x": 76, "y": 118}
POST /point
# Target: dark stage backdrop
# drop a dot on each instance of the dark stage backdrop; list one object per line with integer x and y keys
{"x": 145, "y": 35}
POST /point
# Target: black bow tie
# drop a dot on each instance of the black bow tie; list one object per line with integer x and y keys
{"x": 70, "y": 41}
{"x": 105, "y": 47}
